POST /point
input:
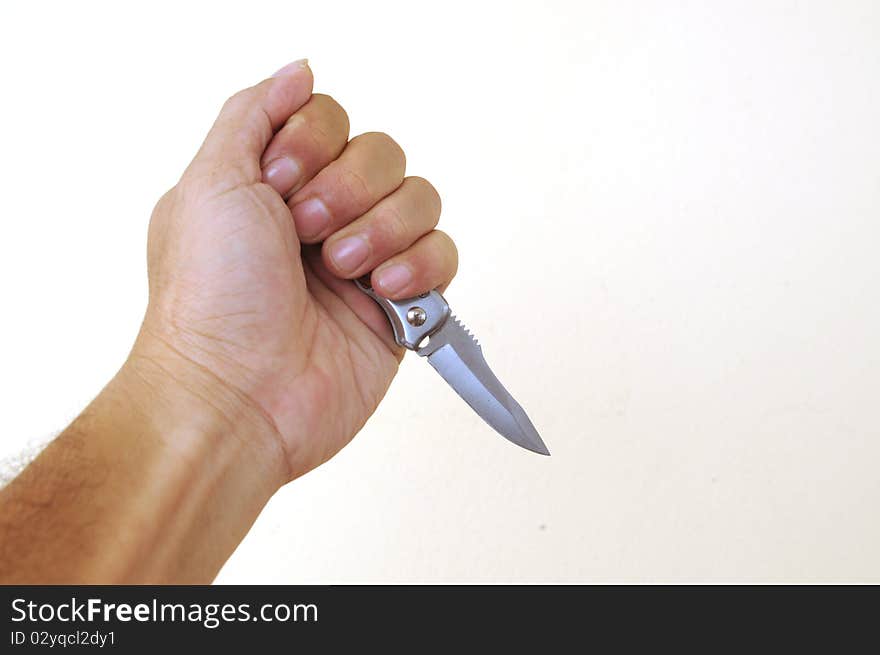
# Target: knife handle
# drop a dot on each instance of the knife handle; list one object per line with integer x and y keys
{"x": 412, "y": 319}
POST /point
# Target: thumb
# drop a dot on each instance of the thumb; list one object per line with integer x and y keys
{"x": 230, "y": 154}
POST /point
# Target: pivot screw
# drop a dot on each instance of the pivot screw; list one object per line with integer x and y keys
{"x": 416, "y": 316}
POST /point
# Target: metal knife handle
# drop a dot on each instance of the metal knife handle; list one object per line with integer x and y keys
{"x": 412, "y": 319}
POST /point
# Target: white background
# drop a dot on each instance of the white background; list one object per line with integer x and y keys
{"x": 667, "y": 214}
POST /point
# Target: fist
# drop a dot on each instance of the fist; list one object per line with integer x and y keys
{"x": 252, "y": 256}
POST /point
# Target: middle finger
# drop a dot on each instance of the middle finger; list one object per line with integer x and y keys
{"x": 370, "y": 167}
{"x": 387, "y": 229}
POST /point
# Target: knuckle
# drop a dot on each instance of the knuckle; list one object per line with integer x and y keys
{"x": 427, "y": 193}
{"x": 167, "y": 200}
{"x": 328, "y": 122}
{"x": 392, "y": 226}
{"x": 324, "y": 100}
{"x": 389, "y": 147}
{"x": 165, "y": 205}
{"x": 354, "y": 185}
{"x": 209, "y": 178}
{"x": 237, "y": 101}
{"x": 448, "y": 247}
{"x": 330, "y": 106}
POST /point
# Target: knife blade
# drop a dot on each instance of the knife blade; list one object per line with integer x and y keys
{"x": 425, "y": 325}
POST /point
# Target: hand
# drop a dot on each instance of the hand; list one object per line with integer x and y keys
{"x": 258, "y": 358}
{"x": 251, "y": 256}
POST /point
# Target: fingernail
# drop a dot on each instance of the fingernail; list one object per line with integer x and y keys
{"x": 292, "y": 67}
{"x": 310, "y": 217}
{"x": 282, "y": 174}
{"x": 395, "y": 278}
{"x": 349, "y": 253}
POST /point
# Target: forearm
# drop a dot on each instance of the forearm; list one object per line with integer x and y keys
{"x": 152, "y": 483}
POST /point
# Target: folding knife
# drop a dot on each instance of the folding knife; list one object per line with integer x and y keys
{"x": 426, "y": 326}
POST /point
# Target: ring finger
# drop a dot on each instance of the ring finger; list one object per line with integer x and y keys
{"x": 387, "y": 229}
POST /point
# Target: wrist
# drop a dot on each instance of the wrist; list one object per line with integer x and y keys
{"x": 198, "y": 414}
{"x": 158, "y": 480}
{"x": 203, "y": 458}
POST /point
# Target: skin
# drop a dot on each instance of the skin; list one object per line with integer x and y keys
{"x": 257, "y": 360}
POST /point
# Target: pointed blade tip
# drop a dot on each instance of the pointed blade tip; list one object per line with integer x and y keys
{"x": 529, "y": 440}
{"x": 541, "y": 448}
{"x": 458, "y": 358}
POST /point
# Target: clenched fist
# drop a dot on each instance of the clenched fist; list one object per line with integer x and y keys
{"x": 252, "y": 256}
{"x": 258, "y": 357}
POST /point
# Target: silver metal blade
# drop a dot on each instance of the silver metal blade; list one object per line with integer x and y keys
{"x": 457, "y": 356}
